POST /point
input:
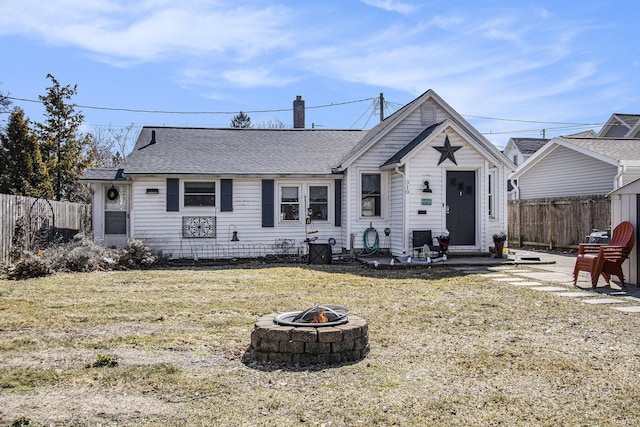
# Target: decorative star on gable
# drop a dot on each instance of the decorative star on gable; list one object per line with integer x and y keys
{"x": 446, "y": 151}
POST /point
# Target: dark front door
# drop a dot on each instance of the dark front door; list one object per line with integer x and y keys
{"x": 461, "y": 207}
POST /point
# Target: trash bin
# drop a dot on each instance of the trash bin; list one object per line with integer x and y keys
{"x": 598, "y": 236}
{"x": 319, "y": 253}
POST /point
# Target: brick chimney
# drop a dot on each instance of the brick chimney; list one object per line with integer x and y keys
{"x": 298, "y": 113}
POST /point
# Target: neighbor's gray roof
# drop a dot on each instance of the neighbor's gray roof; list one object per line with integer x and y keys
{"x": 529, "y": 145}
{"x": 102, "y": 174}
{"x": 239, "y": 151}
{"x": 613, "y": 148}
{"x": 629, "y": 119}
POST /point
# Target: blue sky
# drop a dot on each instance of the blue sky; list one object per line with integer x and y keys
{"x": 512, "y": 68}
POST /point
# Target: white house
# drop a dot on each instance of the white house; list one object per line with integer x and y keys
{"x": 520, "y": 149}
{"x": 625, "y": 206}
{"x": 206, "y": 192}
{"x": 578, "y": 165}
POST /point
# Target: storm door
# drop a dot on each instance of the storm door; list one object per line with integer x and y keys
{"x": 116, "y": 215}
{"x": 461, "y": 207}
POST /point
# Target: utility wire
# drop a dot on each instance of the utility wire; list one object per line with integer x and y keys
{"x": 133, "y": 110}
{"x": 372, "y": 106}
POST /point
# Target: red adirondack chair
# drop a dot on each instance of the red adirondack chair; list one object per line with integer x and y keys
{"x": 605, "y": 259}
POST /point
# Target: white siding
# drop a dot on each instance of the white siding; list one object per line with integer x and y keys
{"x": 406, "y": 193}
{"x": 162, "y": 230}
{"x": 565, "y": 172}
{"x": 397, "y": 214}
{"x": 395, "y": 140}
{"x": 624, "y": 208}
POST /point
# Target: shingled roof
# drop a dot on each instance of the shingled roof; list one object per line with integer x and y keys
{"x": 529, "y": 145}
{"x": 616, "y": 149}
{"x": 176, "y": 150}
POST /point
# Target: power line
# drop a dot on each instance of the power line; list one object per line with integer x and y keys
{"x": 565, "y": 125}
{"x": 134, "y": 110}
{"x": 528, "y": 121}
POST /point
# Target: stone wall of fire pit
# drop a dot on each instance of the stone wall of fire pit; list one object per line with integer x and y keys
{"x": 308, "y": 345}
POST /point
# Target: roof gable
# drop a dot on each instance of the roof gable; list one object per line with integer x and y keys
{"x": 394, "y": 120}
{"x": 608, "y": 150}
{"x": 621, "y": 126}
{"x": 397, "y": 158}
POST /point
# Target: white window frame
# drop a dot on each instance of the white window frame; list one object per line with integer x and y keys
{"x": 280, "y": 203}
{"x": 328, "y": 202}
{"x": 383, "y": 194}
{"x": 491, "y": 194}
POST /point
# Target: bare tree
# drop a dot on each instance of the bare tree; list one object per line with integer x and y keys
{"x": 274, "y": 123}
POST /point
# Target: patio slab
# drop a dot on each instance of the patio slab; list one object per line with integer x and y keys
{"x": 633, "y": 309}
{"x": 527, "y": 283}
{"x": 603, "y": 301}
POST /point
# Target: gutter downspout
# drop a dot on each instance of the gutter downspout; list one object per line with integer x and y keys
{"x": 617, "y": 180}
{"x": 404, "y": 210}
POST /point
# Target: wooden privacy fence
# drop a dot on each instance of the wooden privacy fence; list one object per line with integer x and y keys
{"x": 562, "y": 222}
{"x": 30, "y": 223}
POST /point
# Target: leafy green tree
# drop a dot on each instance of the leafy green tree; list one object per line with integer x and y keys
{"x": 22, "y": 171}
{"x": 66, "y": 152}
{"x": 241, "y": 121}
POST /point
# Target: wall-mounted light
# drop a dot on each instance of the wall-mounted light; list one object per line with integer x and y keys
{"x": 426, "y": 188}
{"x": 152, "y": 191}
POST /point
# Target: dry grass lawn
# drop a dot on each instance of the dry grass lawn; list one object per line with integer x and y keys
{"x": 446, "y": 349}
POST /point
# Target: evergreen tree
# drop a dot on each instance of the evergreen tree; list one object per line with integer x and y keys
{"x": 65, "y": 151}
{"x": 22, "y": 171}
{"x": 241, "y": 121}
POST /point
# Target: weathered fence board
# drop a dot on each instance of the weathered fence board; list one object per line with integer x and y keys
{"x": 563, "y": 222}
{"x": 38, "y": 222}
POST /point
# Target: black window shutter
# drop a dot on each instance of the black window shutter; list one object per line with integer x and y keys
{"x": 173, "y": 195}
{"x": 226, "y": 195}
{"x": 267, "y": 202}
{"x": 338, "y": 202}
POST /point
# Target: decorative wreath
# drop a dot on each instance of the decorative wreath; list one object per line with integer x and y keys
{"x": 332, "y": 241}
{"x": 112, "y": 193}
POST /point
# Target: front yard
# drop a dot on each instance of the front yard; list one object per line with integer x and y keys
{"x": 164, "y": 347}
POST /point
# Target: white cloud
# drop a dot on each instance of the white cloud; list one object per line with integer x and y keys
{"x": 151, "y": 31}
{"x": 246, "y": 78}
{"x": 391, "y": 5}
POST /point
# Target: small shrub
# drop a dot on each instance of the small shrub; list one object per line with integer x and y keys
{"x": 137, "y": 255}
{"x": 25, "y": 422}
{"x": 82, "y": 255}
{"x": 104, "y": 361}
{"x": 28, "y": 266}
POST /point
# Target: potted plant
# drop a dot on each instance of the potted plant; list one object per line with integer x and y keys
{"x": 443, "y": 240}
{"x": 498, "y": 241}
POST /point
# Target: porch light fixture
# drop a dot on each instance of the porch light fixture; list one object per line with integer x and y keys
{"x": 426, "y": 188}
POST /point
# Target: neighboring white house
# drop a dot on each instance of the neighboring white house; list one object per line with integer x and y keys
{"x": 578, "y": 165}
{"x": 520, "y": 149}
{"x": 189, "y": 191}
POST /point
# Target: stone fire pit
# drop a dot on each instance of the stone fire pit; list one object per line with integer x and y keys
{"x": 299, "y": 338}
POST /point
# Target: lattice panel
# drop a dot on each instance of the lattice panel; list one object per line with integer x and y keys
{"x": 198, "y": 227}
